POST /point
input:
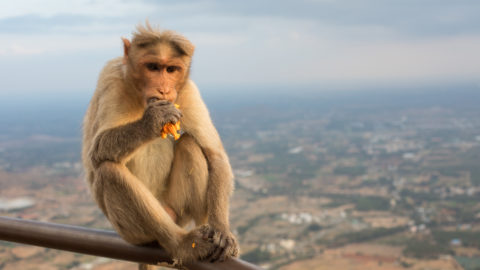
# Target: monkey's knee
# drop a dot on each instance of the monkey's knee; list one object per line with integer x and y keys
{"x": 103, "y": 176}
{"x": 190, "y": 154}
{"x": 115, "y": 195}
{"x": 109, "y": 184}
{"x": 106, "y": 170}
{"x": 187, "y": 143}
{"x": 107, "y": 173}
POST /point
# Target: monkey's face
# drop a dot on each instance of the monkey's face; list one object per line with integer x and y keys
{"x": 160, "y": 72}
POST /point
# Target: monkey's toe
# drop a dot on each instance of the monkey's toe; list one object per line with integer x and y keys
{"x": 225, "y": 247}
{"x": 230, "y": 250}
{"x": 207, "y": 233}
{"x": 220, "y": 241}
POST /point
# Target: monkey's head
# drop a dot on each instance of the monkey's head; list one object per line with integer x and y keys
{"x": 157, "y": 62}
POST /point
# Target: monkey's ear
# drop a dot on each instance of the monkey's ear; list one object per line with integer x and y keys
{"x": 126, "y": 48}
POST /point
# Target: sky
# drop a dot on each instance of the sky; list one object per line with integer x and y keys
{"x": 56, "y": 46}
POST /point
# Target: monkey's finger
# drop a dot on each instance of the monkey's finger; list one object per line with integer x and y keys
{"x": 204, "y": 229}
{"x": 220, "y": 248}
{"x": 227, "y": 250}
{"x": 234, "y": 250}
{"x": 212, "y": 256}
{"x": 175, "y": 113}
{"x": 180, "y": 114}
{"x": 207, "y": 233}
{"x": 170, "y": 119}
{"x": 216, "y": 256}
{"x": 155, "y": 101}
{"x": 152, "y": 100}
{"x": 210, "y": 235}
{"x": 213, "y": 237}
{"x": 217, "y": 238}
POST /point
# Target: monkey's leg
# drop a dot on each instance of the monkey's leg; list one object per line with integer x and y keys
{"x": 139, "y": 217}
{"x": 132, "y": 209}
{"x": 219, "y": 188}
{"x": 187, "y": 184}
{"x": 187, "y": 194}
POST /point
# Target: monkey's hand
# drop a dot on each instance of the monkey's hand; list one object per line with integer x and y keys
{"x": 159, "y": 113}
{"x": 172, "y": 129}
{"x": 198, "y": 244}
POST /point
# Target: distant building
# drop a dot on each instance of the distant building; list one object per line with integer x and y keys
{"x": 456, "y": 242}
{"x": 16, "y": 204}
{"x": 296, "y": 150}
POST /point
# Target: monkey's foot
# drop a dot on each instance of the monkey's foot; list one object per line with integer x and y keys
{"x": 196, "y": 245}
{"x": 225, "y": 246}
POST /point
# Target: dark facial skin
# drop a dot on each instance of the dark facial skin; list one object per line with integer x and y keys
{"x": 159, "y": 72}
{"x": 160, "y": 77}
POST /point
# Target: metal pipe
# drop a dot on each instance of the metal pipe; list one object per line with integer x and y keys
{"x": 96, "y": 242}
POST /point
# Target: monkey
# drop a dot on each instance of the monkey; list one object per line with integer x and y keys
{"x": 150, "y": 188}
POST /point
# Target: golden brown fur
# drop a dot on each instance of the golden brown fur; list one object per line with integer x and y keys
{"x": 149, "y": 187}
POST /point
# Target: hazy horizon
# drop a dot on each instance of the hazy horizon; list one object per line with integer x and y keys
{"x": 57, "y": 47}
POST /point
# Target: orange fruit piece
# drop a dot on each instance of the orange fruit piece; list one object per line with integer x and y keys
{"x": 171, "y": 129}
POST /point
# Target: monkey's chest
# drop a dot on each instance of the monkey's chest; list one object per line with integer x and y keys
{"x": 151, "y": 164}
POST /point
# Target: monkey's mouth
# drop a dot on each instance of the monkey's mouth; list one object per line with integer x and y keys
{"x": 152, "y": 100}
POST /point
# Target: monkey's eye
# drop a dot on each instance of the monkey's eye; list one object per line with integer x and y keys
{"x": 152, "y": 66}
{"x": 171, "y": 69}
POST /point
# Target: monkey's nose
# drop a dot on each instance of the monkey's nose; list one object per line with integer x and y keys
{"x": 163, "y": 91}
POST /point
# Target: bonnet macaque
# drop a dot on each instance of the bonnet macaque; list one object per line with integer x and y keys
{"x": 151, "y": 187}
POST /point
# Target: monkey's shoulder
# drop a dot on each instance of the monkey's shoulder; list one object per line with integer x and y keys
{"x": 113, "y": 68}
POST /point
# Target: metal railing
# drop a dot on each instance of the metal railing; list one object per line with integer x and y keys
{"x": 96, "y": 242}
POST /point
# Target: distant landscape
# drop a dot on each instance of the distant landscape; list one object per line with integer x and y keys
{"x": 380, "y": 178}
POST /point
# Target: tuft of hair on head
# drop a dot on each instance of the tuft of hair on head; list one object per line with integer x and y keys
{"x": 148, "y": 35}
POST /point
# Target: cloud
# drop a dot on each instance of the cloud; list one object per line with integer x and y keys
{"x": 406, "y": 17}
{"x": 435, "y": 59}
{"x": 245, "y": 43}
{"x": 54, "y": 44}
{"x": 49, "y": 8}
{"x": 15, "y": 49}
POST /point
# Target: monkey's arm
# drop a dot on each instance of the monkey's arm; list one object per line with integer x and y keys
{"x": 196, "y": 121}
{"x": 116, "y": 144}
